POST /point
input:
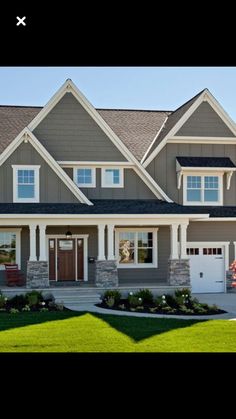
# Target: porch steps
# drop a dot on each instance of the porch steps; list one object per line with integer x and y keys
{"x": 76, "y": 297}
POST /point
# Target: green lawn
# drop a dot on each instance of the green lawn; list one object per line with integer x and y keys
{"x": 85, "y": 332}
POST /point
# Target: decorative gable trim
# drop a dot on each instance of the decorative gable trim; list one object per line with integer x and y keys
{"x": 27, "y": 136}
{"x": 70, "y": 87}
{"x": 205, "y": 96}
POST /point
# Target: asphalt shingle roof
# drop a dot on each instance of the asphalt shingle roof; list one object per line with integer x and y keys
{"x": 136, "y": 128}
{"x": 205, "y": 161}
{"x": 102, "y": 206}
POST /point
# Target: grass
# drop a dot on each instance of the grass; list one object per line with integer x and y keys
{"x": 85, "y": 332}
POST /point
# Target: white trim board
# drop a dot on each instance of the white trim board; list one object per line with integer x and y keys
{"x": 215, "y": 244}
{"x": 27, "y": 136}
{"x": 74, "y": 236}
{"x": 95, "y": 163}
{"x": 205, "y": 96}
{"x": 70, "y": 87}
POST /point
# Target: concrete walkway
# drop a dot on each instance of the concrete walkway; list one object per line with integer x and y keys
{"x": 226, "y": 302}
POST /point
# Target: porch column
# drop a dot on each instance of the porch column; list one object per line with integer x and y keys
{"x": 174, "y": 254}
{"x": 32, "y": 228}
{"x": 42, "y": 242}
{"x": 183, "y": 240}
{"x": 101, "y": 242}
{"x": 110, "y": 242}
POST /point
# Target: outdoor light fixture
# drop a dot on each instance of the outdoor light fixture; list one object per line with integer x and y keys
{"x": 68, "y": 234}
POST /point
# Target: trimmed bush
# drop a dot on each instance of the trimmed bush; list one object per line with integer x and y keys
{"x": 183, "y": 291}
{"x": 134, "y": 301}
{"x": 146, "y": 295}
{"x": 33, "y": 298}
{"x": 112, "y": 294}
{"x": 17, "y": 302}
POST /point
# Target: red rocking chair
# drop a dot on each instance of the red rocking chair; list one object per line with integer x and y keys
{"x": 14, "y": 276}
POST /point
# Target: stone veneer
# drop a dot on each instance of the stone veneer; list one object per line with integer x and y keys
{"x": 37, "y": 275}
{"x": 106, "y": 274}
{"x": 179, "y": 272}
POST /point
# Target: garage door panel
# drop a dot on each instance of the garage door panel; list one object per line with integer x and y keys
{"x": 206, "y": 268}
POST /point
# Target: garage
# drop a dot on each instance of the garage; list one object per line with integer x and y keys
{"x": 207, "y": 266}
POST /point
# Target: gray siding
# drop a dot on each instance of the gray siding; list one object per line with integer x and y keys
{"x": 69, "y": 133}
{"x": 205, "y": 122}
{"x": 163, "y": 167}
{"x": 52, "y": 189}
{"x": 213, "y": 231}
{"x": 134, "y": 187}
{"x": 155, "y": 275}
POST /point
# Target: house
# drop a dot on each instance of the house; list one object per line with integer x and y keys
{"x": 118, "y": 198}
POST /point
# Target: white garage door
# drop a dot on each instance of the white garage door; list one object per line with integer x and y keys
{"x": 207, "y": 268}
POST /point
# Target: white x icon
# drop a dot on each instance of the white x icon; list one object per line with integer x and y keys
{"x": 21, "y": 21}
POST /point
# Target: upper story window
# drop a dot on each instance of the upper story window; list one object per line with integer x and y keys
{"x": 25, "y": 183}
{"x": 112, "y": 177}
{"x": 85, "y": 177}
{"x": 203, "y": 189}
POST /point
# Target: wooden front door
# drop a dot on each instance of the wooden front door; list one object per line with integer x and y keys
{"x": 65, "y": 260}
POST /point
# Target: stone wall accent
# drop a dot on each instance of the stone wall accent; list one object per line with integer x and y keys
{"x": 106, "y": 274}
{"x": 179, "y": 272}
{"x": 37, "y": 275}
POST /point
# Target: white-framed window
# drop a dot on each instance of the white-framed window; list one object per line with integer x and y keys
{"x": 85, "y": 177}
{"x": 203, "y": 189}
{"x": 136, "y": 248}
{"x": 112, "y": 177}
{"x": 25, "y": 183}
{"x": 10, "y": 246}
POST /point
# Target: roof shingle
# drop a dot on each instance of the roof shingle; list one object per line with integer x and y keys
{"x": 205, "y": 161}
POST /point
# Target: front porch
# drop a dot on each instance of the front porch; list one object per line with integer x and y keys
{"x": 88, "y": 258}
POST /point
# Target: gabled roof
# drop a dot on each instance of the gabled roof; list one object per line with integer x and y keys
{"x": 205, "y": 161}
{"x": 136, "y": 128}
{"x": 173, "y": 118}
{"x": 28, "y": 136}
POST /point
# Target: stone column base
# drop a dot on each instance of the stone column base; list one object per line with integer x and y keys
{"x": 179, "y": 272}
{"x": 37, "y": 274}
{"x": 106, "y": 274}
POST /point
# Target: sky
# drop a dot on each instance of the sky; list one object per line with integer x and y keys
{"x": 160, "y": 88}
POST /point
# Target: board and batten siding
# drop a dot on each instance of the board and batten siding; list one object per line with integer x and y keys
{"x": 210, "y": 231}
{"x": 134, "y": 187}
{"x": 163, "y": 167}
{"x": 51, "y": 187}
{"x": 205, "y": 122}
{"x": 68, "y": 132}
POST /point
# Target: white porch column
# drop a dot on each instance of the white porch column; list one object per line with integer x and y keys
{"x": 183, "y": 240}
{"x": 32, "y": 228}
{"x": 42, "y": 242}
{"x": 101, "y": 242}
{"x": 110, "y": 242}
{"x": 174, "y": 254}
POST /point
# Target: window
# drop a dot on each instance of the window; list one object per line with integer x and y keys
{"x": 112, "y": 178}
{"x": 203, "y": 190}
{"x": 85, "y": 177}
{"x": 136, "y": 248}
{"x": 26, "y": 183}
{"x": 9, "y": 247}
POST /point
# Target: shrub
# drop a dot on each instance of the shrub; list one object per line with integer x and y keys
{"x": 112, "y": 293}
{"x": 160, "y": 301}
{"x": 43, "y": 310}
{"x": 14, "y": 310}
{"x": 26, "y": 308}
{"x": 134, "y": 301}
{"x": 171, "y": 301}
{"x": 33, "y": 298}
{"x": 183, "y": 291}
{"x": 18, "y": 302}
{"x": 146, "y": 295}
{"x": 110, "y": 302}
{"x": 3, "y": 301}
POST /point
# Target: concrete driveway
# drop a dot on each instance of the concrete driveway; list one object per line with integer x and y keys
{"x": 226, "y": 302}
